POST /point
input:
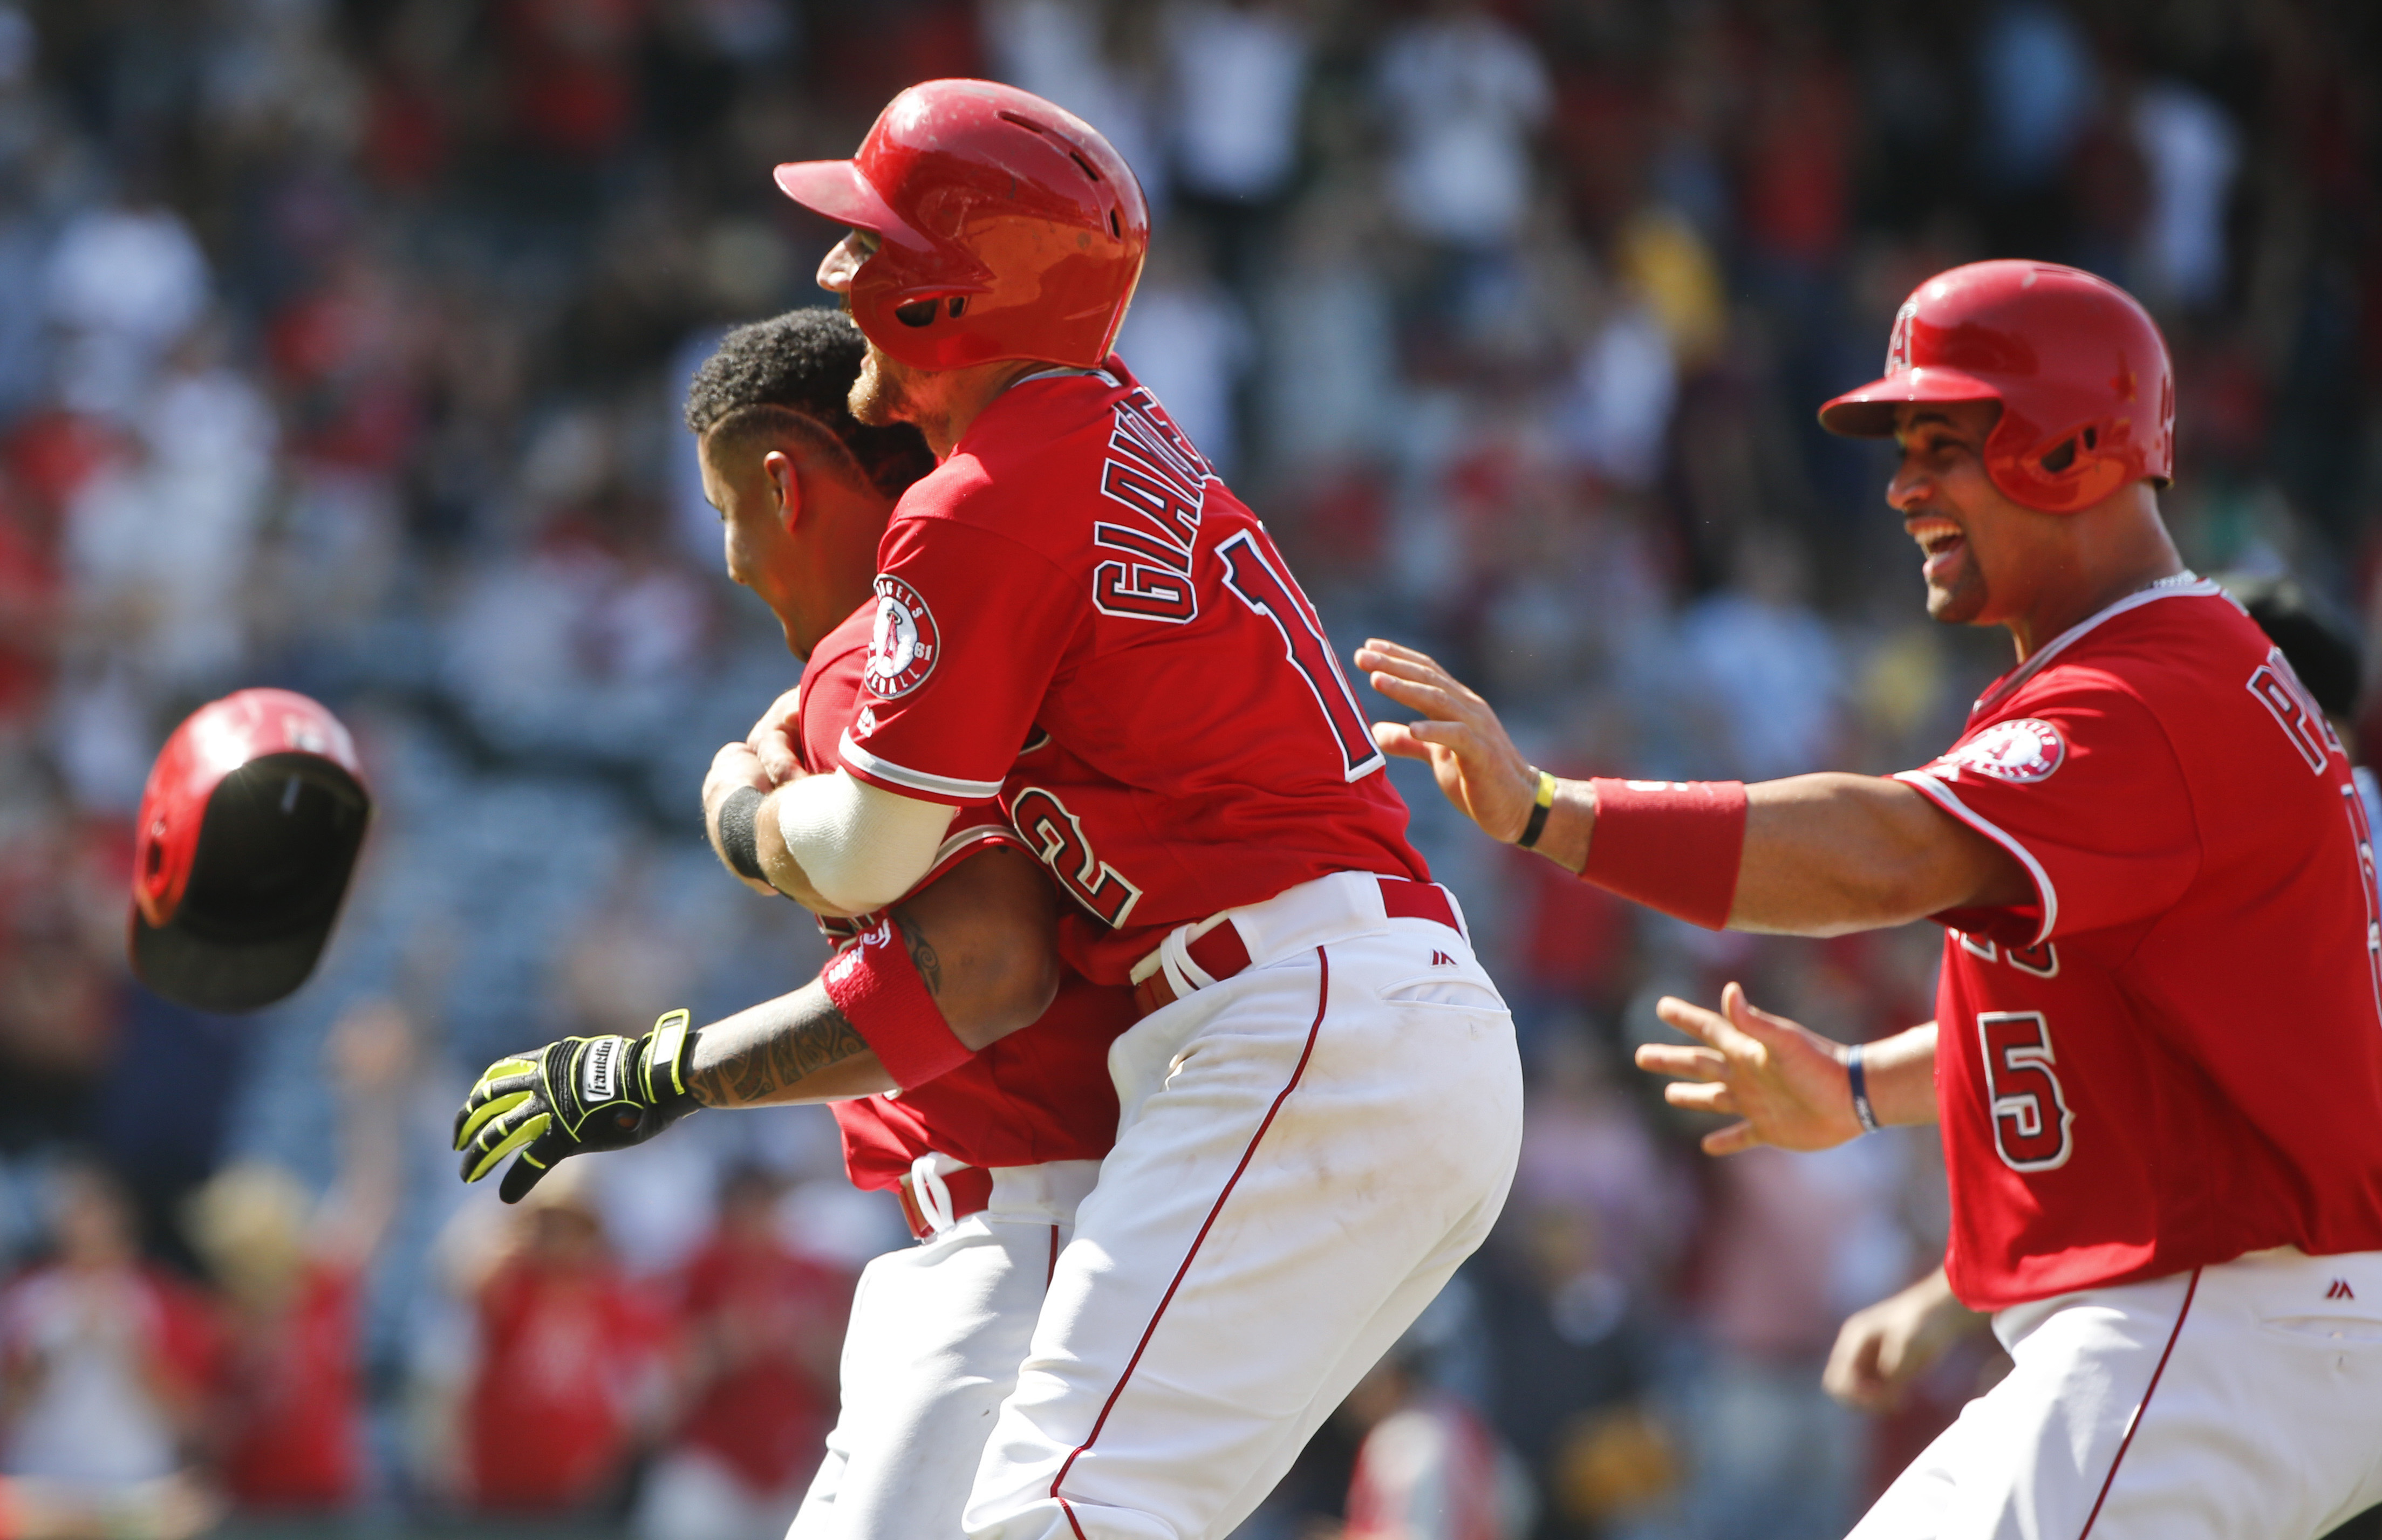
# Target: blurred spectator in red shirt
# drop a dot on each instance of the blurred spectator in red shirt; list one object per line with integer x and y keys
{"x": 29, "y": 608}
{"x": 1429, "y": 1467}
{"x": 571, "y": 1356}
{"x": 291, "y": 1275}
{"x": 1799, "y": 154}
{"x": 765, "y": 1327}
{"x": 102, "y": 1358}
{"x": 570, "y": 75}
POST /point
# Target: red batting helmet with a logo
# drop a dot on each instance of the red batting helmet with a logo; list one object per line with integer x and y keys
{"x": 2079, "y": 367}
{"x": 1008, "y": 227}
{"x": 248, "y": 830}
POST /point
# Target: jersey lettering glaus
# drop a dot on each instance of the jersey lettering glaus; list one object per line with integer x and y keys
{"x": 2172, "y": 1055}
{"x": 1097, "y": 597}
{"x": 1040, "y": 1093}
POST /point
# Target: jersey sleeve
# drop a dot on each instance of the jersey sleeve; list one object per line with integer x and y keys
{"x": 973, "y": 832}
{"x": 2077, "y": 780}
{"x": 830, "y": 698}
{"x": 970, "y": 628}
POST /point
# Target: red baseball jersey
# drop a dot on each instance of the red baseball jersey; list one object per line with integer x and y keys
{"x": 291, "y": 1400}
{"x": 1076, "y": 570}
{"x": 1042, "y": 1093}
{"x": 765, "y": 1405}
{"x": 2172, "y": 1055}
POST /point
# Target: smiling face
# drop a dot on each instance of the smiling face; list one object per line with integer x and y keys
{"x": 1983, "y": 554}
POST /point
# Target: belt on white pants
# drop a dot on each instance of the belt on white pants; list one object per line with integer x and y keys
{"x": 938, "y": 1191}
{"x": 1193, "y": 957}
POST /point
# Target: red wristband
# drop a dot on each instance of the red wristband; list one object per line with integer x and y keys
{"x": 1670, "y": 845}
{"x": 876, "y": 986}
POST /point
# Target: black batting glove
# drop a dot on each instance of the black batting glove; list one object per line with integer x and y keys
{"x": 581, "y": 1094}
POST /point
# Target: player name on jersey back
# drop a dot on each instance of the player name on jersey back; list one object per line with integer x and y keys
{"x": 2172, "y": 1056}
{"x": 1077, "y": 583}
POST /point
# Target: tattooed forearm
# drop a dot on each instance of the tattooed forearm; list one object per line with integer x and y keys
{"x": 772, "y": 1052}
{"x": 921, "y": 952}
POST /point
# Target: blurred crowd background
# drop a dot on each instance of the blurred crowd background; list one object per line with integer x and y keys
{"x": 341, "y": 343}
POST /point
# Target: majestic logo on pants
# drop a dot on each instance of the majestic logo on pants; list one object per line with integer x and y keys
{"x": 902, "y": 648}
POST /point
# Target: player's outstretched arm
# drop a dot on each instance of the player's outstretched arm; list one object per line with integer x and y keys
{"x": 981, "y": 939}
{"x": 1459, "y": 736}
{"x": 1822, "y": 854}
{"x": 1788, "y": 1086}
{"x": 1881, "y": 1349}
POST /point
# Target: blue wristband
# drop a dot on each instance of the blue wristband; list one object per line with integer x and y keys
{"x": 1858, "y": 1077}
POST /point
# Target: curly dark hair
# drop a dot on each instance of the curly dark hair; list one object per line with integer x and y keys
{"x": 803, "y": 362}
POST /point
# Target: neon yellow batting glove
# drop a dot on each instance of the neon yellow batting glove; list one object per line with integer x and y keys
{"x": 581, "y": 1094}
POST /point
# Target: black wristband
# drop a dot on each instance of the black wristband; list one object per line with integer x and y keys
{"x": 1539, "y": 807}
{"x": 736, "y": 840}
{"x": 1856, "y": 1078}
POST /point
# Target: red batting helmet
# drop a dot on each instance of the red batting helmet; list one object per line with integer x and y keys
{"x": 249, "y": 829}
{"x": 1010, "y": 228}
{"x": 2087, "y": 393}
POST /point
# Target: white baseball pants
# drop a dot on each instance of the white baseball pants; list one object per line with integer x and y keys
{"x": 1307, "y": 1149}
{"x": 937, "y": 1333}
{"x": 2239, "y": 1403}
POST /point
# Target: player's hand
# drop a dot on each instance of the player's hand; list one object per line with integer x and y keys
{"x": 1475, "y": 765}
{"x": 1785, "y": 1082}
{"x": 581, "y": 1094}
{"x": 1881, "y": 1349}
{"x": 774, "y": 736}
{"x": 733, "y": 768}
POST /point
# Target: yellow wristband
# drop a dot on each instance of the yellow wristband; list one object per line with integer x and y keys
{"x": 1538, "y": 823}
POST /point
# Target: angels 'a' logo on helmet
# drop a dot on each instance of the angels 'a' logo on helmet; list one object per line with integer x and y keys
{"x": 2022, "y": 751}
{"x": 902, "y": 648}
{"x": 1897, "y": 343}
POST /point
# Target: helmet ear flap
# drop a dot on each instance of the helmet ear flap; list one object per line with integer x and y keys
{"x": 2061, "y": 472}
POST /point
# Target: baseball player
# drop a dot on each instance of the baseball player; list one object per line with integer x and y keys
{"x": 1319, "y": 1105}
{"x": 988, "y": 1151}
{"x": 2157, "y": 1054}
{"x": 1886, "y": 1346}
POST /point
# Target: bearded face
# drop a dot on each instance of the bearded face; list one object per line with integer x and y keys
{"x": 884, "y": 393}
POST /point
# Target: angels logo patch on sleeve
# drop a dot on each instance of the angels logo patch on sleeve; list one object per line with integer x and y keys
{"x": 2022, "y": 751}
{"x": 905, "y": 644}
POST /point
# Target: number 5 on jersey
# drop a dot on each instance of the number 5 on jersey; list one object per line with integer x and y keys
{"x": 2031, "y": 1116}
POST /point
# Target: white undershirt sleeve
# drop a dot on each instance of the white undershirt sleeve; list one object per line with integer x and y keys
{"x": 862, "y": 846}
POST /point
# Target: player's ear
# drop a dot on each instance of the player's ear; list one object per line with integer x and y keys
{"x": 786, "y": 485}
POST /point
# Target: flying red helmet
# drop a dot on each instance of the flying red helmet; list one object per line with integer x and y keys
{"x": 1010, "y": 228}
{"x": 2080, "y": 369}
{"x": 249, "y": 831}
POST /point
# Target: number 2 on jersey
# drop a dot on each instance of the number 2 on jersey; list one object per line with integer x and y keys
{"x": 1256, "y": 583}
{"x": 2030, "y": 1111}
{"x": 1057, "y": 835}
